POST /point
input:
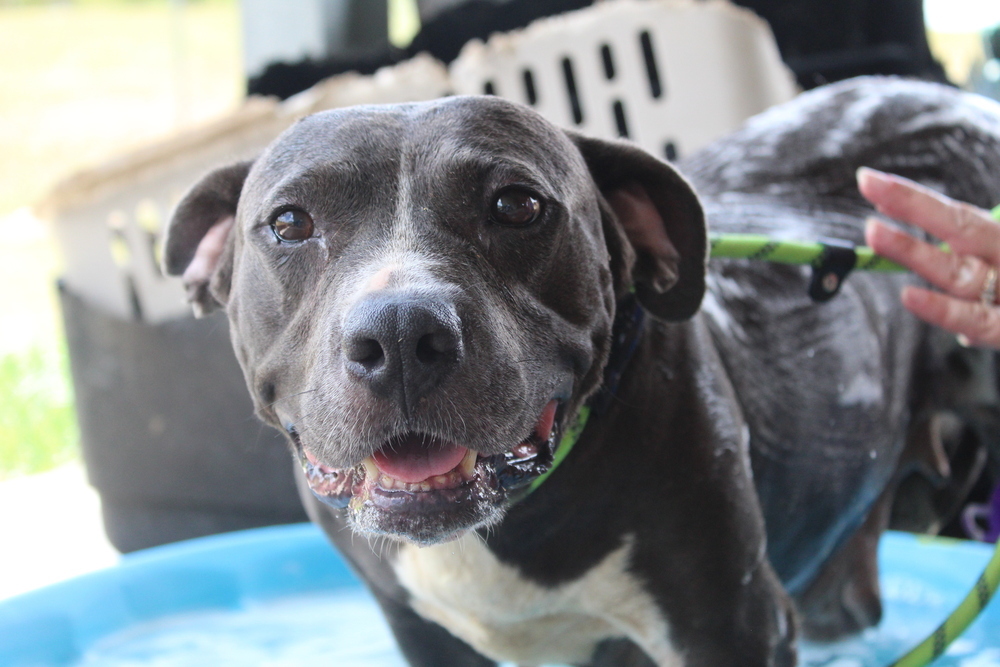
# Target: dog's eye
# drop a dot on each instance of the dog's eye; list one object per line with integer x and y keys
{"x": 516, "y": 207}
{"x": 293, "y": 225}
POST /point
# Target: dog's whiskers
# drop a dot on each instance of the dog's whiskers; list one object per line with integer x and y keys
{"x": 289, "y": 397}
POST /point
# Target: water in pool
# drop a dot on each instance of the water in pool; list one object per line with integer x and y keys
{"x": 287, "y": 632}
{"x": 346, "y": 629}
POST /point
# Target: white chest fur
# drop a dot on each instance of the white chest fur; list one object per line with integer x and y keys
{"x": 462, "y": 586}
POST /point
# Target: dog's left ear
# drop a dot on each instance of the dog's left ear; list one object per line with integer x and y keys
{"x": 197, "y": 244}
{"x": 660, "y": 216}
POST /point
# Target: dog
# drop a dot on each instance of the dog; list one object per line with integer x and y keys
{"x": 426, "y": 298}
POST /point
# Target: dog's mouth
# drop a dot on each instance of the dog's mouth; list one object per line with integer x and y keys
{"x": 415, "y": 473}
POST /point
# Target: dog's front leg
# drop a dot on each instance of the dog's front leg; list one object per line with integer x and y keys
{"x": 721, "y": 608}
{"x": 423, "y": 643}
{"x": 620, "y": 653}
{"x": 426, "y": 644}
{"x": 699, "y": 541}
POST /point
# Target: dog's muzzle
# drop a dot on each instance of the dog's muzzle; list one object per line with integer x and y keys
{"x": 414, "y": 476}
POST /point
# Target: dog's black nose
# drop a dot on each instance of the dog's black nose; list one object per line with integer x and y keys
{"x": 402, "y": 344}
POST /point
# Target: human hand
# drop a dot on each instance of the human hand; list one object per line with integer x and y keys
{"x": 967, "y": 275}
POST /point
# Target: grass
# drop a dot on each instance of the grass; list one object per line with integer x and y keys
{"x": 37, "y": 429}
{"x": 37, "y": 423}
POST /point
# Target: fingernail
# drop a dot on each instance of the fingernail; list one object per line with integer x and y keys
{"x": 866, "y": 172}
{"x": 912, "y": 297}
{"x": 871, "y": 228}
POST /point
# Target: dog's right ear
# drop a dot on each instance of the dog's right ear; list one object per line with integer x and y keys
{"x": 198, "y": 245}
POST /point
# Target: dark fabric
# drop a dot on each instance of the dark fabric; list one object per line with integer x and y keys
{"x": 168, "y": 432}
{"x": 823, "y": 41}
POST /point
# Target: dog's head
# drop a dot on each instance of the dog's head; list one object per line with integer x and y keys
{"x": 420, "y": 295}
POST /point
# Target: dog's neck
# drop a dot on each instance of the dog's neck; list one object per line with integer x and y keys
{"x": 626, "y": 334}
{"x": 674, "y": 381}
{"x": 630, "y": 318}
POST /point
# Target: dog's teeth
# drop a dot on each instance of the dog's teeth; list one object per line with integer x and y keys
{"x": 463, "y": 472}
{"x": 525, "y": 450}
{"x": 468, "y": 464}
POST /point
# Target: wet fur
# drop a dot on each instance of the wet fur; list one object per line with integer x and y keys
{"x": 747, "y": 444}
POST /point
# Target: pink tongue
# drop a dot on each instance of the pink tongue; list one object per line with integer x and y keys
{"x": 414, "y": 458}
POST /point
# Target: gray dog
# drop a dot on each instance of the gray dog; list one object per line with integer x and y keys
{"x": 425, "y": 297}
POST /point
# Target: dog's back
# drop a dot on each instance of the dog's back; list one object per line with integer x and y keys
{"x": 828, "y": 389}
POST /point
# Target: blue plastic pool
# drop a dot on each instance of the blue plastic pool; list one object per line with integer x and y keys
{"x": 282, "y": 597}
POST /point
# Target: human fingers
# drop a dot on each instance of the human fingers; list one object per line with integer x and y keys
{"x": 969, "y": 230}
{"x": 979, "y": 323}
{"x": 959, "y": 275}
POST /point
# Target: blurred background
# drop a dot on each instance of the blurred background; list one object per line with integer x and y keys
{"x": 84, "y": 81}
{"x": 79, "y": 83}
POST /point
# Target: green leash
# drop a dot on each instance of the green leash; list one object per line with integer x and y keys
{"x": 831, "y": 262}
{"x": 754, "y": 246}
{"x": 934, "y": 646}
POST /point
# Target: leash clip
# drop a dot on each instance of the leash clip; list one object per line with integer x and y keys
{"x": 831, "y": 268}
